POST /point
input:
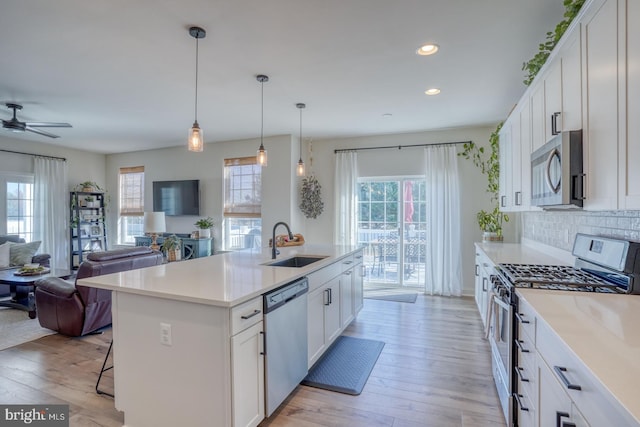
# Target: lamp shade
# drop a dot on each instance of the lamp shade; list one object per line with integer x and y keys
{"x": 154, "y": 222}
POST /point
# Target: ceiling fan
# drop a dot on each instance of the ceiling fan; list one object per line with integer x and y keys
{"x": 16, "y": 125}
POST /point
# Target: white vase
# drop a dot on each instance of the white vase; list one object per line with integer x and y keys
{"x": 205, "y": 233}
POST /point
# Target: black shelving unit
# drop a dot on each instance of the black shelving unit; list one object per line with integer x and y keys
{"x": 88, "y": 225}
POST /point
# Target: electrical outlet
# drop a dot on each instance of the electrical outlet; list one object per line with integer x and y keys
{"x": 165, "y": 334}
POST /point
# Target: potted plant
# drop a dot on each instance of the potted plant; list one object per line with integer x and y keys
{"x": 89, "y": 200}
{"x": 204, "y": 224}
{"x": 89, "y": 187}
{"x": 171, "y": 247}
{"x": 490, "y": 222}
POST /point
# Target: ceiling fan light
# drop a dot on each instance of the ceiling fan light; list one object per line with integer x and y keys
{"x": 196, "y": 138}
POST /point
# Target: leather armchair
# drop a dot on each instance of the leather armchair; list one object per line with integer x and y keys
{"x": 76, "y": 310}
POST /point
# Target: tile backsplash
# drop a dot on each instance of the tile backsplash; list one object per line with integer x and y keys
{"x": 558, "y": 228}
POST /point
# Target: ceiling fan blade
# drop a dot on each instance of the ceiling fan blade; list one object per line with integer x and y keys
{"x": 41, "y": 132}
{"x": 48, "y": 125}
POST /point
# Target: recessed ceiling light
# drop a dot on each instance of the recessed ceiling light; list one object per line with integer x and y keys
{"x": 432, "y": 91}
{"x": 427, "y": 49}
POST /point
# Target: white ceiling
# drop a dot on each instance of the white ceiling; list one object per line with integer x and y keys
{"x": 122, "y": 72}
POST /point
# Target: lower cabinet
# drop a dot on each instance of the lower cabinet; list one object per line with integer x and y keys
{"x": 247, "y": 364}
{"x": 483, "y": 270}
{"x": 323, "y": 321}
{"x": 556, "y": 407}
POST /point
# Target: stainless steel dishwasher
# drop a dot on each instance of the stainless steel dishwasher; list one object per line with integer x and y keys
{"x": 285, "y": 341}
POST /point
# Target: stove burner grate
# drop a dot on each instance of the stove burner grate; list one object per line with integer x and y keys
{"x": 558, "y": 277}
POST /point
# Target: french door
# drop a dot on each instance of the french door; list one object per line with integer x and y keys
{"x": 392, "y": 228}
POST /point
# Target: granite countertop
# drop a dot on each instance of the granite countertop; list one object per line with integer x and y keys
{"x": 223, "y": 280}
{"x": 602, "y": 331}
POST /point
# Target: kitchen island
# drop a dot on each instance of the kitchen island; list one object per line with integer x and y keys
{"x": 188, "y": 336}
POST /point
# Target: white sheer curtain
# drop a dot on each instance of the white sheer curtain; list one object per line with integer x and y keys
{"x": 443, "y": 261}
{"x": 50, "y": 219}
{"x": 345, "y": 192}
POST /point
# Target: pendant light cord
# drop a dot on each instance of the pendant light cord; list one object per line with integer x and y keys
{"x": 300, "y": 139}
{"x": 196, "y": 109}
{"x": 262, "y": 112}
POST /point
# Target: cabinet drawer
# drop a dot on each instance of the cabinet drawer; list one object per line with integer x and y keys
{"x": 347, "y": 263}
{"x": 525, "y": 352}
{"x": 322, "y": 276}
{"x": 526, "y": 320}
{"x": 526, "y": 411}
{"x": 527, "y": 383}
{"x": 245, "y": 315}
{"x": 593, "y": 400}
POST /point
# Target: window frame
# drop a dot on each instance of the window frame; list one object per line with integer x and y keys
{"x": 131, "y": 213}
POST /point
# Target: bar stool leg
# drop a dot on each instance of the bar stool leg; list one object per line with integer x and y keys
{"x": 103, "y": 370}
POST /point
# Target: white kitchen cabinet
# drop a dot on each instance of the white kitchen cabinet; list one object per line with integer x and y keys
{"x": 484, "y": 269}
{"x": 571, "y": 58}
{"x": 359, "y": 271}
{"x": 537, "y": 115}
{"x": 323, "y": 321}
{"x": 523, "y": 200}
{"x": 601, "y": 100}
{"x": 555, "y": 406}
{"x": 506, "y": 167}
{"x": 552, "y": 99}
{"x": 346, "y": 292}
{"x": 247, "y": 364}
{"x": 629, "y": 156}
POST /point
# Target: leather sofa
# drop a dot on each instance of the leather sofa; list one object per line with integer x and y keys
{"x": 76, "y": 310}
{"x": 42, "y": 259}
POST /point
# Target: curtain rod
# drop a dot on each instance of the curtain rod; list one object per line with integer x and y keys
{"x": 34, "y": 155}
{"x": 399, "y": 147}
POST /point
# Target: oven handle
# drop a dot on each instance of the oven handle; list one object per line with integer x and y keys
{"x": 501, "y": 303}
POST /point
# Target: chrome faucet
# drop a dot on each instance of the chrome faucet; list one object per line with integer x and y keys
{"x": 275, "y": 251}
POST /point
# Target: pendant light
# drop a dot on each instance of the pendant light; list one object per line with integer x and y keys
{"x": 300, "y": 167}
{"x": 262, "y": 153}
{"x": 196, "y": 135}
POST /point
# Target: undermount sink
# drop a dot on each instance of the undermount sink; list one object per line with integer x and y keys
{"x": 296, "y": 261}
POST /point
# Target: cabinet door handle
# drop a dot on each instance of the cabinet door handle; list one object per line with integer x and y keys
{"x": 249, "y": 316}
{"x": 518, "y": 197}
{"x": 518, "y": 371}
{"x": 477, "y": 274}
{"x": 348, "y": 262}
{"x": 484, "y": 284}
{"x": 330, "y": 296}
{"x": 348, "y": 273}
{"x": 502, "y": 201}
{"x": 560, "y": 423}
{"x": 519, "y": 345}
{"x": 554, "y": 123}
{"x": 327, "y": 296}
{"x": 560, "y": 371}
{"x": 264, "y": 344}
{"x": 518, "y": 397}
{"x": 520, "y": 319}
{"x": 364, "y": 271}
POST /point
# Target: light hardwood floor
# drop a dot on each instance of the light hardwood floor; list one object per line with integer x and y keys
{"x": 434, "y": 370}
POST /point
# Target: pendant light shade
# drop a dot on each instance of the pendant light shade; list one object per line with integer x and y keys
{"x": 196, "y": 135}
{"x": 262, "y": 153}
{"x": 300, "y": 167}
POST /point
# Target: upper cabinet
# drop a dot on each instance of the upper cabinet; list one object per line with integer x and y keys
{"x": 590, "y": 82}
{"x": 629, "y": 155}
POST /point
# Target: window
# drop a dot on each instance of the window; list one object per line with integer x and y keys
{"x": 131, "y": 219}
{"x": 242, "y": 203}
{"x": 19, "y": 213}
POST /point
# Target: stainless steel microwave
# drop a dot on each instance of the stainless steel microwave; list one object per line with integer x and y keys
{"x": 557, "y": 180}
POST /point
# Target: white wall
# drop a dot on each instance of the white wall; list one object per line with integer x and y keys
{"x": 83, "y": 165}
{"x": 279, "y": 195}
{"x": 408, "y": 161}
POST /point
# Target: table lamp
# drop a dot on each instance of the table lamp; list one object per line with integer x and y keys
{"x": 153, "y": 225}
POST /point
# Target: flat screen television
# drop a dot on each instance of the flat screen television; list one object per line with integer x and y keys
{"x": 176, "y": 198}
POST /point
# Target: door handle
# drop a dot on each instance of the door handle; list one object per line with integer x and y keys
{"x": 502, "y": 201}
{"x": 264, "y": 344}
{"x": 518, "y": 197}
{"x": 560, "y": 371}
{"x": 520, "y": 319}
{"x": 554, "y": 123}
{"x": 484, "y": 284}
{"x": 560, "y": 423}
{"x": 519, "y": 372}
{"x": 519, "y": 345}
{"x": 518, "y": 397}
{"x": 552, "y": 187}
{"x": 249, "y": 316}
{"x": 477, "y": 274}
{"x": 327, "y": 295}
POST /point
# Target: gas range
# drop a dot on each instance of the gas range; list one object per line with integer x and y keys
{"x": 602, "y": 265}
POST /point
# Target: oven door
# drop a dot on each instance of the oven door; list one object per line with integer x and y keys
{"x": 501, "y": 339}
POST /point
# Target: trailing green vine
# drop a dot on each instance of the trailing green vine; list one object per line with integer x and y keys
{"x": 533, "y": 66}
{"x": 489, "y": 164}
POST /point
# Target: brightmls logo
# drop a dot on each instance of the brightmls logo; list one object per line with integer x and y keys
{"x": 34, "y": 415}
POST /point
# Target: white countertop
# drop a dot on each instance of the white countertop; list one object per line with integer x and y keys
{"x": 224, "y": 280}
{"x": 516, "y": 253}
{"x": 602, "y": 331}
